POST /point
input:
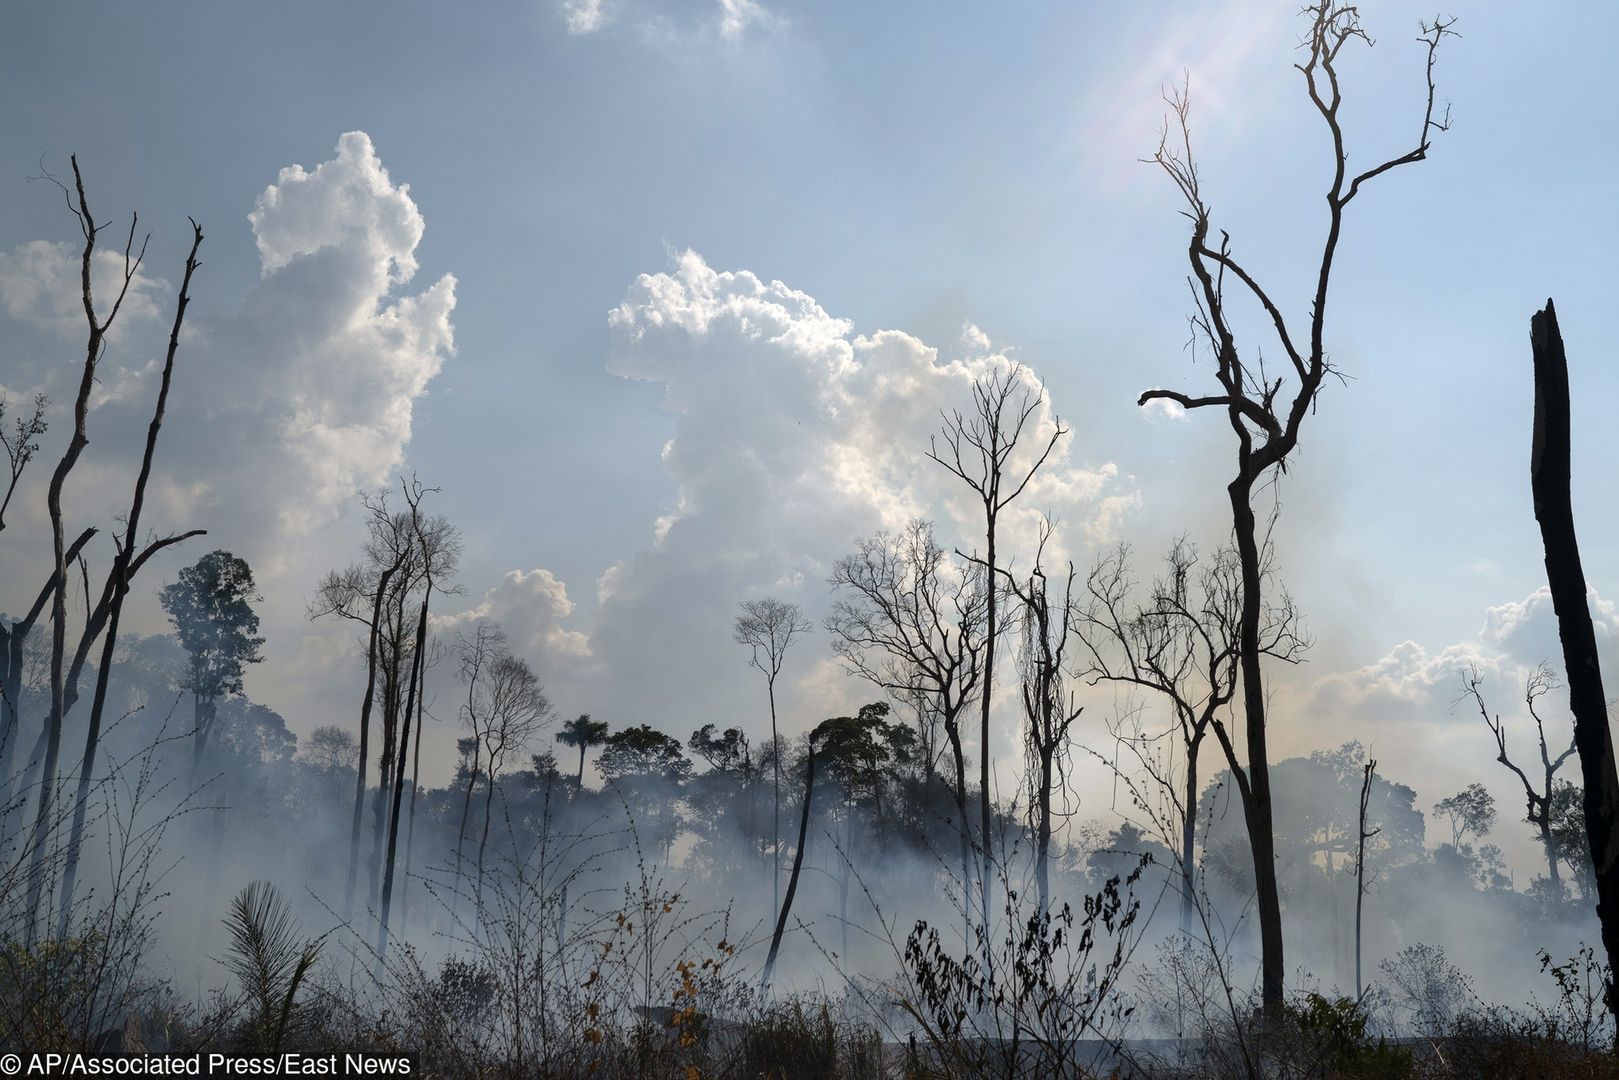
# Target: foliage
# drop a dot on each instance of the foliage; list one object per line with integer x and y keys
{"x": 211, "y": 607}
{"x": 270, "y": 961}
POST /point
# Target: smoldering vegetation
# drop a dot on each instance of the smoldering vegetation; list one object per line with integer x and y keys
{"x": 180, "y": 871}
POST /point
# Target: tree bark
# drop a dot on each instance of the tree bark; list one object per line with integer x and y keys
{"x": 1549, "y": 471}
{"x": 1257, "y": 806}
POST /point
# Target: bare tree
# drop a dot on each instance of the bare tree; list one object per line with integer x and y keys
{"x": 979, "y": 449}
{"x": 506, "y": 707}
{"x": 14, "y": 639}
{"x": 474, "y": 653}
{"x": 1180, "y": 642}
{"x": 120, "y": 576}
{"x": 786, "y": 906}
{"x": 1364, "y": 834}
{"x": 405, "y": 554}
{"x": 21, "y": 444}
{"x": 1550, "y": 471}
{"x": 94, "y": 347}
{"x": 330, "y": 749}
{"x": 768, "y": 627}
{"x": 1048, "y": 710}
{"x": 1265, "y": 424}
{"x": 438, "y": 547}
{"x": 399, "y": 785}
{"x": 1538, "y": 798}
{"x": 342, "y": 593}
{"x": 913, "y": 625}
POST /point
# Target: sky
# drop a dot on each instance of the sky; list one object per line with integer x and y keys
{"x": 666, "y": 299}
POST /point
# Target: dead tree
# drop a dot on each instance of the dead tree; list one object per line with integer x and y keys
{"x": 120, "y": 575}
{"x": 1539, "y": 799}
{"x": 1266, "y": 424}
{"x": 1550, "y": 471}
{"x": 1181, "y": 642}
{"x": 1370, "y": 770}
{"x": 979, "y": 450}
{"x": 399, "y": 786}
{"x": 475, "y": 653}
{"x": 1048, "y": 711}
{"x": 434, "y": 654}
{"x": 439, "y": 546}
{"x": 339, "y": 593}
{"x": 517, "y": 709}
{"x": 404, "y": 551}
{"x": 21, "y": 444}
{"x": 913, "y": 625}
{"x": 13, "y": 639}
{"x": 768, "y": 628}
{"x": 798, "y": 862}
{"x": 94, "y": 346}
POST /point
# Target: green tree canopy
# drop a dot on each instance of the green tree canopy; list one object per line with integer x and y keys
{"x": 211, "y": 607}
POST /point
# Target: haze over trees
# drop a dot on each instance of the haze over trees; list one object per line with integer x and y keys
{"x": 329, "y": 802}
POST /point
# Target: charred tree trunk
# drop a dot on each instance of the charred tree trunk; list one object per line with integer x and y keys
{"x": 1256, "y": 806}
{"x": 121, "y": 575}
{"x": 985, "y": 808}
{"x": 953, "y": 733}
{"x": 76, "y": 444}
{"x": 798, "y": 865}
{"x": 1042, "y": 848}
{"x": 15, "y": 637}
{"x": 775, "y": 826}
{"x": 1189, "y": 837}
{"x": 1550, "y": 467}
{"x": 398, "y": 779}
{"x": 1360, "y": 870}
{"x": 365, "y": 736}
{"x": 415, "y": 783}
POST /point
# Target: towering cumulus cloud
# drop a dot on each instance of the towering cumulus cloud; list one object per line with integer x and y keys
{"x": 793, "y": 436}
{"x": 334, "y": 243}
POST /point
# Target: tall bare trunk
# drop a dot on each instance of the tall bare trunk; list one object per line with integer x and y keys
{"x": 1042, "y": 841}
{"x": 1257, "y": 811}
{"x": 398, "y": 778}
{"x": 985, "y": 806}
{"x": 120, "y": 573}
{"x": 53, "y": 501}
{"x": 415, "y": 784}
{"x": 775, "y": 828}
{"x": 1550, "y": 468}
{"x": 365, "y": 736}
{"x": 798, "y": 865}
{"x": 16, "y": 636}
{"x": 1189, "y": 839}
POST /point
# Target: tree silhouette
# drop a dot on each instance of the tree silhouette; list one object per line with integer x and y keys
{"x": 980, "y": 449}
{"x": 211, "y": 608}
{"x": 1267, "y": 426}
{"x": 582, "y": 733}
{"x": 1537, "y": 796}
{"x": 768, "y": 628}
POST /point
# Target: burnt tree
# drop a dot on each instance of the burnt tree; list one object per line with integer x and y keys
{"x": 1266, "y": 424}
{"x": 1550, "y": 471}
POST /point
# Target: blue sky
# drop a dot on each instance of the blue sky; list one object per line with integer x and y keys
{"x": 915, "y": 168}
